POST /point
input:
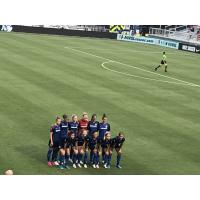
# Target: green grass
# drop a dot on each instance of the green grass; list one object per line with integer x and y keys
{"x": 40, "y": 79}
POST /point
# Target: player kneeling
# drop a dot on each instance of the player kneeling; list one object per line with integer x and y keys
{"x": 106, "y": 145}
{"x": 94, "y": 146}
{"x": 81, "y": 146}
{"x": 117, "y": 144}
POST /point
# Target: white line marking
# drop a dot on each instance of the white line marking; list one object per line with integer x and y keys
{"x": 132, "y": 75}
{"x": 120, "y": 50}
{"x": 188, "y": 83}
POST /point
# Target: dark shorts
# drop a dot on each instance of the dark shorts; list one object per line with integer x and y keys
{"x": 163, "y": 62}
{"x": 56, "y": 144}
{"x": 62, "y": 143}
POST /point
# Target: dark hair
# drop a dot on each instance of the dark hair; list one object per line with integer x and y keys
{"x": 65, "y": 116}
{"x": 104, "y": 115}
{"x": 93, "y": 116}
{"x": 163, "y": 52}
{"x": 120, "y": 133}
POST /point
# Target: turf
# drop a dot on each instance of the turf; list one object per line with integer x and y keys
{"x": 40, "y": 79}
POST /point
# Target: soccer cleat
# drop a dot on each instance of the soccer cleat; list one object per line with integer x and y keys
{"x": 155, "y": 69}
{"x": 165, "y": 70}
{"x": 61, "y": 166}
{"x": 108, "y": 166}
{"x": 79, "y": 165}
{"x": 74, "y": 165}
{"x": 118, "y": 166}
{"x": 105, "y": 166}
{"x": 97, "y": 166}
{"x": 81, "y": 162}
{"x": 55, "y": 163}
{"x": 85, "y": 166}
{"x": 94, "y": 166}
{"x": 49, "y": 164}
{"x": 70, "y": 160}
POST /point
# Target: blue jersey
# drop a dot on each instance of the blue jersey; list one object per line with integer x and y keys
{"x": 92, "y": 127}
{"x": 82, "y": 141}
{"x": 73, "y": 126}
{"x": 106, "y": 143}
{"x": 56, "y": 130}
{"x": 103, "y": 128}
{"x": 64, "y": 129}
{"x": 117, "y": 142}
{"x": 71, "y": 142}
{"x": 93, "y": 143}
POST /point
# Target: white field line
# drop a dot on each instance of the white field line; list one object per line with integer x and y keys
{"x": 132, "y": 75}
{"x": 119, "y": 50}
{"x": 90, "y": 54}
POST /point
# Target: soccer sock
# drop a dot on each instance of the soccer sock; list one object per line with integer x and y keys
{"x": 109, "y": 159}
{"x": 62, "y": 158}
{"x": 106, "y": 159}
{"x": 118, "y": 158}
{"x": 91, "y": 156}
{"x": 66, "y": 158}
{"x": 95, "y": 159}
{"x": 85, "y": 158}
{"x": 158, "y": 66}
{"x": 165, "y": 68}
{"x": 49, "y": 155}
{"x": 80, "y": 157}
{"x": 55, "y": 154}
{"x": 74, "y": 157}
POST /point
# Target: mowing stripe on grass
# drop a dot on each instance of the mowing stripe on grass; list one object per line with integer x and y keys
{"x": 110, "y": 60}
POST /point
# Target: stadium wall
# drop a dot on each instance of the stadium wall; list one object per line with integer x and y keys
{"x": 54, "y": 31}
{"x": 175, "y": 44}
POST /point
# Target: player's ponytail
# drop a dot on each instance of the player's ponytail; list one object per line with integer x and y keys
{"x": 65, "y": 116}
{"x": 104, "y": 115}
{"x": 92, "y": 118}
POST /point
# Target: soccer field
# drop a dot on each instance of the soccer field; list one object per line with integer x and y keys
{"x": 43, "y": 76}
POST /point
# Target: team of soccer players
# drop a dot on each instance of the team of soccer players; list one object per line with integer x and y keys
{"x": 72, "y": 141}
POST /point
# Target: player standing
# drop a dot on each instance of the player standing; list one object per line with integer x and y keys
{"x": 163, "y": 62}
{"x": 63, "y": 138}
{"x": 73, "y": 125}
{"x": 103, "y": 127}
{"x": 93, "y": 125}
{"x": 83, "y": 123}
{"x": 54, "y": 143}
{"x": 117, "y": 144}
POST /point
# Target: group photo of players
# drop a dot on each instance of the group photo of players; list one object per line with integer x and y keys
{"x": 82, "y": 143}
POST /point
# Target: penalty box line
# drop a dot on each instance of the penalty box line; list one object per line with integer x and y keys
{"x": 132, "y": 75}
{"x": 110, "y": 60}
